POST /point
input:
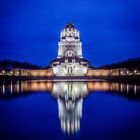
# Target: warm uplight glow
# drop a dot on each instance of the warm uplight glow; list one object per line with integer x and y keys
{"x": 135, "y": 71}
{"x": 3, "y": 71}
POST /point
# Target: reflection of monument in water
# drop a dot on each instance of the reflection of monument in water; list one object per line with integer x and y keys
{"x": 69, "y": 96}
{"x": 19, "y": 88}
{"x": 70, "y": 100}
{"x": 70, "y": 113}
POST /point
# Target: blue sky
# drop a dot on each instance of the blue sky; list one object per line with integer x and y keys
{"x": 30, "y": 29}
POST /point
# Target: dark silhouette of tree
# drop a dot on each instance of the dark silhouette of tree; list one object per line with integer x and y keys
{"x": 131, "y": 63}
{"x": 9, "y": 64}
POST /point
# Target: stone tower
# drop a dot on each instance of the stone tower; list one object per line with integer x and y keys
{"x": 70, "y": 45}
{"x": 69, "y": 61}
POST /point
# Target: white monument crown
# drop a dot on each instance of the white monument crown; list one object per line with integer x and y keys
{"x": 70, "y": 44}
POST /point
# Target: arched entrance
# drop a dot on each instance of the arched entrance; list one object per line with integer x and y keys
{"x": 69, "y": 53}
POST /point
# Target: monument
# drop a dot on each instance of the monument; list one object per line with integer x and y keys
{"x": 70, "y": 61}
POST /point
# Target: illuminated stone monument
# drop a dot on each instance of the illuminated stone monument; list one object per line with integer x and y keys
{"x": 70, "y": 61}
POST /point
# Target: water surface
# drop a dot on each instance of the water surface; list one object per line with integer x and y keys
{"x": 69, "y": 110}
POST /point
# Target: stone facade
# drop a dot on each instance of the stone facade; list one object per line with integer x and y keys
{"x": 69, "y": 61}
{"x": 26, "y": 72}
{"x": 110, "y": 72}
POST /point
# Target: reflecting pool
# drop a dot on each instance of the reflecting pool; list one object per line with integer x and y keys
{"x": 40, "y": 109}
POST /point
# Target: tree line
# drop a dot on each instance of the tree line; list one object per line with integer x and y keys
{"x": 9, "y": 64}
{"x": 131, "y": 63}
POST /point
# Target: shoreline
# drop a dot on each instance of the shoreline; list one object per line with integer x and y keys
{"x": 124, "y": 79}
